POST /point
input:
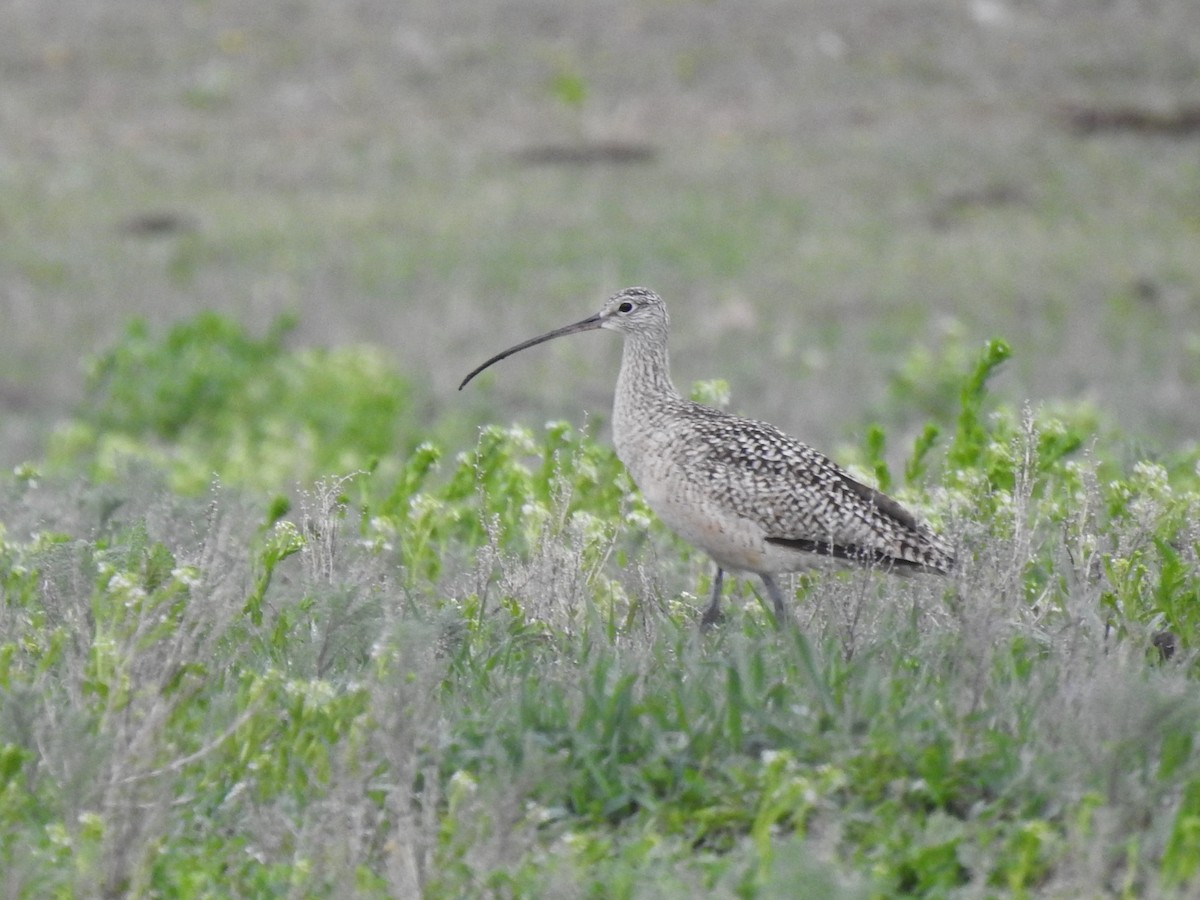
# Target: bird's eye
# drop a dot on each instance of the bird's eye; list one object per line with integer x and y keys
{"x": 625, "y": 307}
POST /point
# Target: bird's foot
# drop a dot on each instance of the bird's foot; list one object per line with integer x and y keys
{"x": 711, "y": 618}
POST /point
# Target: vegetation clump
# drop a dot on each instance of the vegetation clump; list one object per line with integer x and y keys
{"x": 479, "y": 674}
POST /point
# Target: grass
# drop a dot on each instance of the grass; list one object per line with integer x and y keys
{"x": 482, "y": 675}
{"x": 827, "y": 183}
{"x": 278, "y": 617}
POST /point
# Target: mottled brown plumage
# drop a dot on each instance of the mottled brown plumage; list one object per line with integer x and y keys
{"x": 751, "y": 497}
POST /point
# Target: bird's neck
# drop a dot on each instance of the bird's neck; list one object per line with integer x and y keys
{"x": 644, "y": 387}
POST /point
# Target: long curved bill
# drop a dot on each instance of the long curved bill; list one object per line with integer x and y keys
{"x": 587, "y": 324}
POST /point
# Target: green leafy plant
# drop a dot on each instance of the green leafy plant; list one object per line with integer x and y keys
{"x": 460, "y": 674}
{"x": 208, "y": 399}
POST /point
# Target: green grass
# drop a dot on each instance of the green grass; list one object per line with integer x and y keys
{"x": 481, "y": 674}
{"x": 279, "y": 617}
{"x": 832, "y": 186}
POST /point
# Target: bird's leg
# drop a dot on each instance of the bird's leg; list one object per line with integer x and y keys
{"x": 781, "y": 613}
{"x": 712, "y": 615}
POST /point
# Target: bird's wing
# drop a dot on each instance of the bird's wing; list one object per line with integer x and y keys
{"x": 803, "y": 499}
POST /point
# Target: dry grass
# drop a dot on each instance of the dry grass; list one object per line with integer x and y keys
{"x": 830, "y": 184}
{"x": 821, "y": 190}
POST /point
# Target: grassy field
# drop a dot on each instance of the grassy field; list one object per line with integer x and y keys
{"x": 278, "y": 618}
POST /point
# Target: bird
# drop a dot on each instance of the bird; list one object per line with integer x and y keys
{"x": 751, "y": 497}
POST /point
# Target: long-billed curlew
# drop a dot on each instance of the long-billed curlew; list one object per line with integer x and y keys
{"x": 751, "y": 497}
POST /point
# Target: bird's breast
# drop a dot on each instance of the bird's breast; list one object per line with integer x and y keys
{"x": 689, "y": 508}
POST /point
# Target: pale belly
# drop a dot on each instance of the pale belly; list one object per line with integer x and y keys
{"x": 693, "y": 512}
{"x": 735, "y": 543}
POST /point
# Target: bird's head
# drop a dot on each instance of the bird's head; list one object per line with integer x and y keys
{"x": 634, "y": 311}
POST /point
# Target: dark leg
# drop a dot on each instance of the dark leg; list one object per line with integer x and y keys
{"x": 781, "y": 613}
{"x": 712, "y": 615}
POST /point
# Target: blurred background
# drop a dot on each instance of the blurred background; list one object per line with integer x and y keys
{"x": 839, "y": 200}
